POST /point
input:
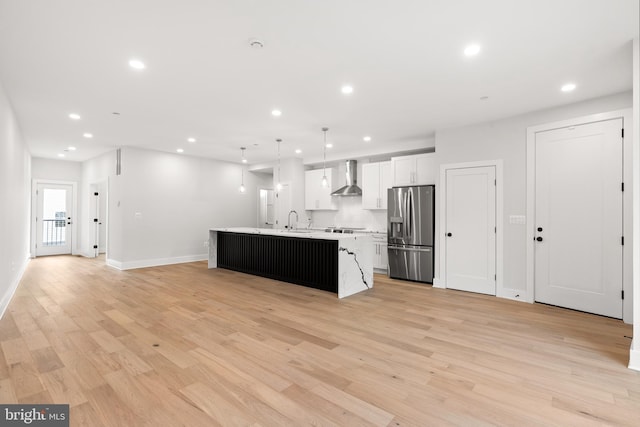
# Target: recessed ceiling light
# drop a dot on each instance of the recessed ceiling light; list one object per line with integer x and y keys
{"x": 191, "y": 140}
{"x": 71, "y": 148}
{"x": 137, "y": 64}
{"x": 60, "y": 155}
{"x": 74, "y": 116}
{"x": 568, "y": 87}
{"x": 366, "y": 139}
{"x": 180, "y": 150}
{"x": 244, "y": 160}
{"x": 472, "y": 50}
{"x": 298, "y": 151}
{"x": 329, "y": 145}
{"x": 346, "y": 89}
{"x": 87, "y": 135}
{"x": 276, "y": 113}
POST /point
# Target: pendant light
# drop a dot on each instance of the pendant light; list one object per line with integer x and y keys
{"x": 242, "y": 189}
{"x": 324, "y": 159}
{"x": 278, "y": 185}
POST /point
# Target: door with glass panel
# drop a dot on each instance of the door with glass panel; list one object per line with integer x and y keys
{"x": 53, "y": 219}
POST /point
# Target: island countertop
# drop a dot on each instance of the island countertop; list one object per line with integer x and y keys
{"x": 344, "y": 262}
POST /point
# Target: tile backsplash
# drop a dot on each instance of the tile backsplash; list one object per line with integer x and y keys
{"x": 350, "y": 214}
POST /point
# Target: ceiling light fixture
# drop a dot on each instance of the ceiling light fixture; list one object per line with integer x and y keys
{"x": 278, "y": 185}
{"x": 60, "y": 155}
{"x": 87, "y": 135}
{"x": 366, "y": 139}
{"x": 136, "y": 64}
{"x": 242, "y": 189}
{"x": 568, "y": 87}
{"x": 298, "y": 151}
{"x": 74, "y": 116}
{"x": 472, "y": 50}
{"x": 329, "y": 145}
{"x": 347, "y": 89}
{"x": 191, "y": 140}
{"x": 276, "y": 113}
{"x": 179, "y": 150}
{"x": 71, "y": 148}
{"x": 324, "y": 159}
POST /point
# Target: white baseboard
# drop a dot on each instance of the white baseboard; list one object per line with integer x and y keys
{"x": 6, "y": 298}
{"x": 438, "y": 284}
{"x": 634, "y": 358}
{"x": 513, "y": 294}
{"x": 130, "y": 265}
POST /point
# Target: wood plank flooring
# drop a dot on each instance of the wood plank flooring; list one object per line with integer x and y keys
{"x": 184, "y": 345}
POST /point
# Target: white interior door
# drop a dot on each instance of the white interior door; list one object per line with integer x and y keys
{"x": 578, "y": 217}
{"x": 470, "y": 229}
{"x": 53, "y": 219}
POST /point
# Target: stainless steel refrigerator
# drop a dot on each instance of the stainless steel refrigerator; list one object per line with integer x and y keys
{"x": 410, "y": 228}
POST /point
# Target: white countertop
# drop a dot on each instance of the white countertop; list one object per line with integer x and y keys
{"x": 300, "y": 233}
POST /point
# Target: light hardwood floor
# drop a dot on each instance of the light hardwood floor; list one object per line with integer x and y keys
{"x": 184, "y": 345}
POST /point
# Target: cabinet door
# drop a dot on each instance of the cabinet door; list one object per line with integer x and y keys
{"x": 371, "y": 186}
{"x": 317, "y": 197}
{"x": 386, "y": 182}
{"x": 404, "y": 170}
{"x": 384, "y": 257}
{"x": 425, "y": 169}
{"x": 310, "y": 189}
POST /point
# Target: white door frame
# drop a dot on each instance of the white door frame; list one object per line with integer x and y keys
{"x": 34, "y": 212}
{"x": 442, "y": 201}
{"x": 627, "y": 176}
{"x": 90, "y": 251}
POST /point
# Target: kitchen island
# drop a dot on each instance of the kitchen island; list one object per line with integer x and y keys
{"x": 338, "y": 263}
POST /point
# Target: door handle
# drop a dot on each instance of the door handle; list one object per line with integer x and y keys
{"x": 539, "y": 239}
{"x": 448, "y": 234}
{"x": 539, "y": 229}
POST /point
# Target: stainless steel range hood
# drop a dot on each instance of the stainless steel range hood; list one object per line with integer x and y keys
{"x": 351, "y": 189}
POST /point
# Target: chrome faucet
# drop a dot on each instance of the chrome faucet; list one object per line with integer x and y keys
{"x": 289, "y": 219}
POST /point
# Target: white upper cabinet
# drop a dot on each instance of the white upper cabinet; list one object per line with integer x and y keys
{"x": 419, "y": 169}
{"x": 317, "y": 197}
{"x": 376, "y": 179}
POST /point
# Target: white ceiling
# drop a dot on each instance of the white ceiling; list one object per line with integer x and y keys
{"x": 404, "y": 59}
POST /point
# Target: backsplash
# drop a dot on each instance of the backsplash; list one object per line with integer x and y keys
{"x": 350, "y": 214}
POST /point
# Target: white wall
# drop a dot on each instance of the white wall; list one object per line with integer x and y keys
{"x": 15, "y": 190}
{"x": 163, "y": 204}
{"x": 506, "y": 139}
{"x": 56, "y": 170}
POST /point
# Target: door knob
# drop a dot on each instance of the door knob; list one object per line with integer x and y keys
{"x": 539, "y": 239}
{"x": 448, "y": 234}
{"x": 539, "y": 229}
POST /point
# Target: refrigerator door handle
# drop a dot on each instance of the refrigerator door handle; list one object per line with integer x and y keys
{"x": 410, "y": 213}
{"x": 398, "y": 248}
{"x": 405, "y": 205}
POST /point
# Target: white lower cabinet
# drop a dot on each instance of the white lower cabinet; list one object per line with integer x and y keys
{"x": 380, "y": 257}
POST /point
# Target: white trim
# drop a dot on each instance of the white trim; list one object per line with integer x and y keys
{"x": 634, "y": 358}
{"x": 626, "y": 116}
{"x": 498, "y": 164}
{"x": 634, "y": 355}
{"x": 437, "y": 283}
{"x": 74, "y": 212}
{"x": 144, "y": 263}
{"x": 8, "y": 295}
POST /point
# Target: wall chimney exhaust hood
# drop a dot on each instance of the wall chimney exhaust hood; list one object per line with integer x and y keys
{"x": 351, "y": 189}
